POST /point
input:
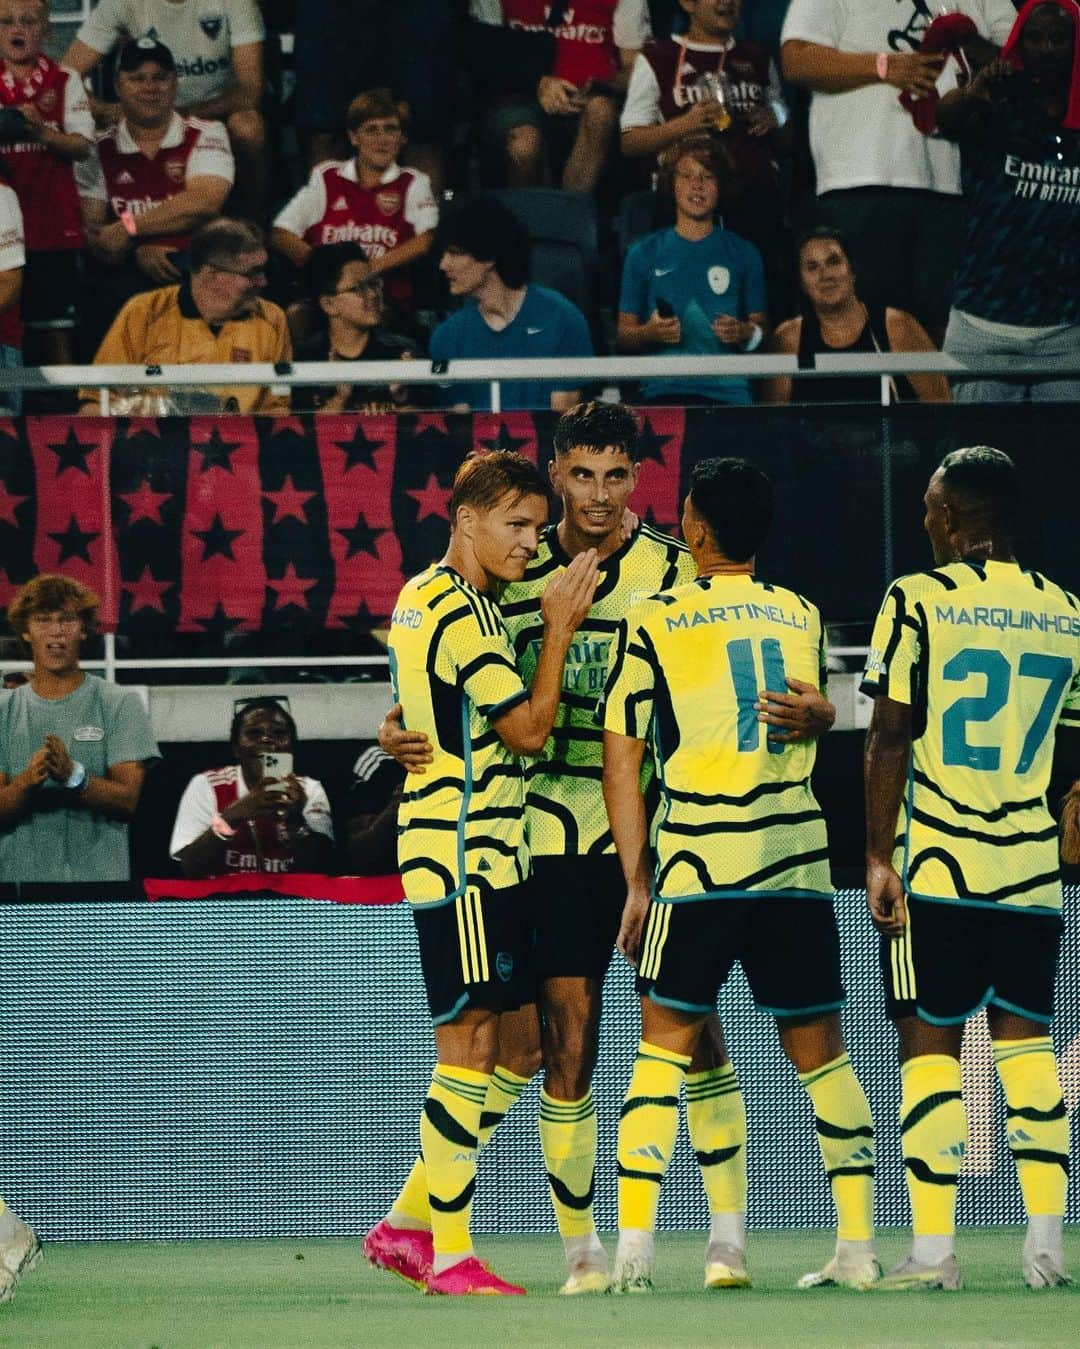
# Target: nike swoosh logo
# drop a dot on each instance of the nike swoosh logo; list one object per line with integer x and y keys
{"x": 531, "y": 332}
{"x": 662, "y": 271}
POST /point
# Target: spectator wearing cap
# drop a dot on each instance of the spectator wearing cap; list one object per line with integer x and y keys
{"x": 218, "y": 50}
{"x": 73, "y": 749}
{"x": 350, "y": 304}
{"x": 503, "y": 316}
{"x": 213, "y": 317}
{"x": 46, "y": 128}
{"x": 155, "y": 176}
{"x": 369, "y": 200}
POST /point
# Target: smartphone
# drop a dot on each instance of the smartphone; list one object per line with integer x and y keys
{"x": 665, "y": 308}
{"x": 277, "y": 766}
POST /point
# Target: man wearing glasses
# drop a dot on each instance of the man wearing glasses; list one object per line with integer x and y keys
{"x": 214, "y": 317}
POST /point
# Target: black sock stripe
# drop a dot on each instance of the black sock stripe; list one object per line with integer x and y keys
{"x": 456, "y": 1204}
{"x": 921, "y": 1109}
{"x": 1041, "y": 1155}
{"x": 637, "y": 1102}
{"x": 625, "y": 1173}
{"x": 827, "y": 1130}
{"x": 921, "y": 1171}
{"x": 441, "y": 1119}
{"x": 568, "y": 1198}
{"x": 718, "y": 1156}
{"x": 1037, "y": 1116}
{"x": 867, "y": 1170}
{"x": 489, "y": 1119}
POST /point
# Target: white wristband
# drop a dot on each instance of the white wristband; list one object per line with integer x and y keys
{"x": 754, "y": 340}
{"x": 78, "y": 777}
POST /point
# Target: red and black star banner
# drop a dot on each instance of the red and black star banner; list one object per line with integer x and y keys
{"x": 211, "y": 524}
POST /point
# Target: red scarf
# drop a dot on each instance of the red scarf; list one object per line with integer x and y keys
{"x": 13, "y": 91}
{"x": 1011, "y": 52}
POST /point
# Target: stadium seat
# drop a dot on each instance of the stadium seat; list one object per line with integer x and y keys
{"x": 565, "y": 253}
{"x": 637, "y": 215}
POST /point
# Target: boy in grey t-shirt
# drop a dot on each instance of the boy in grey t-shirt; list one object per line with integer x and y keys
{"x": 73, "y": 748}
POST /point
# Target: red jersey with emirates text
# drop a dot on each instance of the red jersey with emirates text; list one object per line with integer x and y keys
{"x": 128, "y": 180}
{"x": 43, "y": 182}
{"x": 584, "y": 39}
{"x": 664, "y": 83}
{"x": 332, "y": 208}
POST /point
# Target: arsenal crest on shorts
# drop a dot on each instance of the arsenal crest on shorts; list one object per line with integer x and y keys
{"x": 388, "y": 202}
{"x": 175, "y": 169}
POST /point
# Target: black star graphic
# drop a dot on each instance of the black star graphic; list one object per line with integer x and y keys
{"x": 505, "y": 441}
{"x": 359, "y": 450}
{"x": 216, "y": 453}
{"x": 360, "y": 625}
{"x": 651, "y": 445}
{"x": 217, "y": 540}
{"x": 70, "y": 454}
{"x": 74, "y": 542}
{"x": 219, "y": 624}
{"x": 361, "y": 538}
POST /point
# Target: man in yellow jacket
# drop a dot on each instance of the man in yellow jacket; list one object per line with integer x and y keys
{"x": 214, "y": 317}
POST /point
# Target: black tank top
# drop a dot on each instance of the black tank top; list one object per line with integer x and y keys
{"x": 874, "y": 338}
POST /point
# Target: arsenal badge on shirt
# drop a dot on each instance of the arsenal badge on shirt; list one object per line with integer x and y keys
{"x": 239, "y": 356}
{"x": 388, "y": 202}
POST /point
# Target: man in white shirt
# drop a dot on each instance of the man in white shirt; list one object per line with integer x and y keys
{"x": 218, "y": 46}
{"x": 894, "y": 192}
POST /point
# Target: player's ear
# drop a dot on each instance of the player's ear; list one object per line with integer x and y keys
{"x": 553, "y": 470}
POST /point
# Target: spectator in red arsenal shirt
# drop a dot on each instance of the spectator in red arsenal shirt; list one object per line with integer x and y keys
{"x": 154, "y": 178}
{"x": 576, "y": 105}
{"x": 673, "y": 93}
{"x": 369, "y": 199}
{"x": 46, "y": 128}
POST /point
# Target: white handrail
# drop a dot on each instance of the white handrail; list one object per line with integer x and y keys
{"x": 587, "y": 369}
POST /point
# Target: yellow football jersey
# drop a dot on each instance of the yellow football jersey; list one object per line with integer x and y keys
{"x": 565, "y": 801}
{"x": 452, "y": 669}
{"x": 738, "y": 816}
{"x": 988, "y": 658}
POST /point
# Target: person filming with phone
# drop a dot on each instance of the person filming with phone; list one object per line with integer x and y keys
{"x": 254, "y": 815}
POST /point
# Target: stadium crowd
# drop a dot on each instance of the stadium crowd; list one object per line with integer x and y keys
{"x": 658, "y": 164}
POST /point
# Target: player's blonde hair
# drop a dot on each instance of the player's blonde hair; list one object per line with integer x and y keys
{"x": 484, "y": 479}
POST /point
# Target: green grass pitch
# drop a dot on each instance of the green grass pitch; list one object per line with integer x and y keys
{"x": 311, "y": 1294}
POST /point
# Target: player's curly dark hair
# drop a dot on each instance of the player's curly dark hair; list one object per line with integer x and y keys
{"x": 707, "y": 151}
{"x": 46, "y": 594}
{"x": 597, "y": 426}
{"x": 735, "y": 499}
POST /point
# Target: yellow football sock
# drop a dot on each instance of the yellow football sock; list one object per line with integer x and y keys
{"x": 647, "y": 1126}
{"x": 716, "y": 1120}
{"x": 933, "y": 1129}
{"x": 568, "y": 1140}
{"x": 1038, "y": 1125}
{"x": 411, "y": 1207}
{"x": 845, "y": 1133}
{"x": 448, "y": 1138}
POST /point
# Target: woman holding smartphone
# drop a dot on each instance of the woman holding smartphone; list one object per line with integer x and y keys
{"x": 695, "y": 289}
{"x": 254, "y": 815}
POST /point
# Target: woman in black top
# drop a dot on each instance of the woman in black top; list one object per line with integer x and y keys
{"x": 350, "y": 304}
{"x": 834, "y": 320}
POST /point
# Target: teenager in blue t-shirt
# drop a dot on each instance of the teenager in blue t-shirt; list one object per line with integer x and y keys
{"x": 695, "y": 289}
{"x": 485, "y": 260}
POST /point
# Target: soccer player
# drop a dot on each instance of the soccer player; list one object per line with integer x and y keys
{"x": 20, "y": 1251}
{"x": 461, "y": 847}
{"x": 972, "y": 666}
{"x": 741, "y": 863}
{"x": 580, "y": 889}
